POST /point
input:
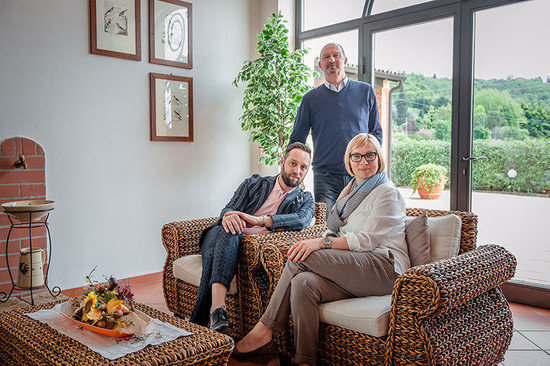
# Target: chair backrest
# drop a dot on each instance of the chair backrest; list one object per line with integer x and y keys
{"x": 320, "y": 214}
{"x": 468, "y": 235}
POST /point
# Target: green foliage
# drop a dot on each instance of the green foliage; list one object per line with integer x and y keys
{"x": 429, "y": 175}
{"x": 407, "y": 154}
{"x": 276, "y": 82}
{"x": 514, "y": 102}
{"x": 500, "y": 108}
{"x": 530, "y": 158}
{"x": 538, "y": 119}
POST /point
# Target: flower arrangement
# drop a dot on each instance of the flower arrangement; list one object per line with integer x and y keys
{"x": 108, "y": 305}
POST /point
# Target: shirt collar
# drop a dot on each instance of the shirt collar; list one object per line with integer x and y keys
{"x": 340, "y": 86}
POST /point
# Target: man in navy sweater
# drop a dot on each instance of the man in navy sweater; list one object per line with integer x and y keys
{"x": 335, "y": 112}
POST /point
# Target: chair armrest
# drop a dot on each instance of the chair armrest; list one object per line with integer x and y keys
{"x": 436, "y": 287}
{"x": 437, "y": 308}
{"x": 179, "y": 238}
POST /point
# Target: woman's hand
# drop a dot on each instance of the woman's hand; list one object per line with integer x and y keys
{"x": 300, "y": 250}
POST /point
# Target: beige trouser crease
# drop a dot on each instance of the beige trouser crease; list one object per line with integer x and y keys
{"x": 326, "y": 275}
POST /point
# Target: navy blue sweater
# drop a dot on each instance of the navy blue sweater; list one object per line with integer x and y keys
{"x": 334, "y": 119}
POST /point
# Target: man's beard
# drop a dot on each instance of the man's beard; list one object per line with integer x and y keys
{"x": 288, "y": 182}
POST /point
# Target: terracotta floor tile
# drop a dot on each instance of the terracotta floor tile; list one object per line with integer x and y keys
{"x": 520, "y": 309}
{"x": 149, "y": 288}
{"x": 541, "y": 311}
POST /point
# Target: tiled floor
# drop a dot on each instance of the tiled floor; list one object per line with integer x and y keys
{"x": 530, "y": 343}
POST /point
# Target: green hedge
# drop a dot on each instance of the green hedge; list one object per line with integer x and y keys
{"x": 530, "y": 158}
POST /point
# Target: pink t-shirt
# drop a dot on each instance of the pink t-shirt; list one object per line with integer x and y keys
{"x": 269, "y": 207}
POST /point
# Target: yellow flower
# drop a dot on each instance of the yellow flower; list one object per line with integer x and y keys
{"x": 94, "y": 314}
{"x": 114, "y": 305}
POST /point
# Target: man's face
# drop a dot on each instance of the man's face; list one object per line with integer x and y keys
{"x": 295, "y": 167}
{"x": 332, "y": 61}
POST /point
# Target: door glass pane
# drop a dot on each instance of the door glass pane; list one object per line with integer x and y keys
{"x": 511, "y": 127}
{"x": 349, "y": 42}
{"x": 381, "y": 6}
{"x": 413, "y": 71}
{"x": 320, "y": 13}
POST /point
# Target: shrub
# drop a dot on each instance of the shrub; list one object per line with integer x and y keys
{"x": 530, "y": 158}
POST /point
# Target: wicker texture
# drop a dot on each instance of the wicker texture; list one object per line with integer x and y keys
{"x": 25, "y": 341}
{"x": 448, "y": 312}
{"x": 245, "y": 307}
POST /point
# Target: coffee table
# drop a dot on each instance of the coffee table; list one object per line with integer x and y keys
{"x": 25, "y": 341}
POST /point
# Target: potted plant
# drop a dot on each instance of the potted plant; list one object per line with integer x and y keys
{"x": 276, "y": 82}
{"x": 429, "y": 180}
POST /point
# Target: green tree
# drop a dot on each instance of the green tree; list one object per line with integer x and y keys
{"x": 276, "y": 82}
{"x": 500, "y": 108}
{"x": 538, "y": 120}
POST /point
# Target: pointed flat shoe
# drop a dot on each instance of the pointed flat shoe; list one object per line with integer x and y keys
{"x": 260, "y": 355}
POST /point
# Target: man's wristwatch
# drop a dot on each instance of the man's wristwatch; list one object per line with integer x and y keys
{"x": 264, "y": 220}
{"x": 327, "y": 241}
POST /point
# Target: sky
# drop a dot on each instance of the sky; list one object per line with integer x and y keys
{"x": 510, "y": 40}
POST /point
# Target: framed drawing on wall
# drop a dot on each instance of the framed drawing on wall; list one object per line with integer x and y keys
{"x": 171, "y": 107}
{"x": 115, "y": 28}
{"x": 170, "y": 41}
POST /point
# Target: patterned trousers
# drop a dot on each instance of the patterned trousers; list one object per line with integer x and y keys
{"x": 220, "y": 253}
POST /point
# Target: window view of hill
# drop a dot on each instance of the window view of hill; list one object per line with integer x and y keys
{"x": 515, "y": 108}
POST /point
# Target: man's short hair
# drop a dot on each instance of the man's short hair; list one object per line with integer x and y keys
{"x": 297, "y": 145}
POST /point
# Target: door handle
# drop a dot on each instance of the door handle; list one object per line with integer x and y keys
{"x": 473, "y": 159}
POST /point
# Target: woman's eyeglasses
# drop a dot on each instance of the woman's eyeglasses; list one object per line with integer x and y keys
{"x": 356, "y": 157}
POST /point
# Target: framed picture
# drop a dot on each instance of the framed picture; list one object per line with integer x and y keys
{"x": 171, "y": 107}
{"x": 170, "y": 40}
{"x": 115, "y": 28}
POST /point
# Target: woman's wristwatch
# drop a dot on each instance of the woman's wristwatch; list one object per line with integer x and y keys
{"x": 327, "y": 241}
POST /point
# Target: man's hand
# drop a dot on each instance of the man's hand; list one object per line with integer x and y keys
{"x": 250, "y": 219}
{"x": 233, "y": 223}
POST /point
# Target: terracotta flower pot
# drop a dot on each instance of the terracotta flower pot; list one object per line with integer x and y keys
{"x": 431, "y": 193}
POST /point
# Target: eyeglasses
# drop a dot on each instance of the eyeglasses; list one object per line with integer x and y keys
{"x": 356, "y": 157}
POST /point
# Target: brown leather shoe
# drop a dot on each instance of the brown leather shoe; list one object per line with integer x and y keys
{"x": 260, "y": 355}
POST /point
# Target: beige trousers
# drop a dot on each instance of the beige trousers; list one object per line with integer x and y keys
{"x": 326, "y": 275}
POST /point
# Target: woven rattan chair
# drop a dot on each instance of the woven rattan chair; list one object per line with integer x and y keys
{"x": 181, "y": 239}
{"x": 449, "y": 312}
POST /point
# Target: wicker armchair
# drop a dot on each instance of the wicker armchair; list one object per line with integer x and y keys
{"x": 181, "y": 239}
{"x": 449, "y": 312}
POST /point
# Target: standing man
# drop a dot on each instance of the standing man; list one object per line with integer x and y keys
{"x": 335, "y": 112}
{"x": 259, "y": 205}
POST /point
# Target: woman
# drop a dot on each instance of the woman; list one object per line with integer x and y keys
{"x": 360, "y": 255}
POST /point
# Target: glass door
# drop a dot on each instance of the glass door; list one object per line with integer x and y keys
{"x": 511, "y": 134}
{"x": 414, "y": 83}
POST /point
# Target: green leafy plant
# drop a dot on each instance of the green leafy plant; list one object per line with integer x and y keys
{"x": 429, "y": 175}
{"x": 276, "y": 82}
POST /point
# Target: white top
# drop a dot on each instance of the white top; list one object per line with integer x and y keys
{"x": 378, "y": 225}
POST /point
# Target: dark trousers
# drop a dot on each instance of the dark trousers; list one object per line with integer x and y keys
{"x": 220, "y": 252}
{"x": 327, "y": 187}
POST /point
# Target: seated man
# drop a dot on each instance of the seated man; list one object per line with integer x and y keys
{"x": 260, "y": 204}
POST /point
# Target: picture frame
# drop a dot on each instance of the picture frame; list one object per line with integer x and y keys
{"x": 171, "y": 99}
{"x": 115, "y": 28}
{"x": 170, "y": 33}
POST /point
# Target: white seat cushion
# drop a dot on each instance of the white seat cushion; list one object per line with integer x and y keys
{"x": 369, "y": 315}
{"x": 189, "y": 269}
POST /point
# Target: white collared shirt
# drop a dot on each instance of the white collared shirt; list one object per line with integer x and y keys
{"x": 340, "y": 86}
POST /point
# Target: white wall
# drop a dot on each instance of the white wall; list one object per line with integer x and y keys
{"x": 114, "y": 189}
